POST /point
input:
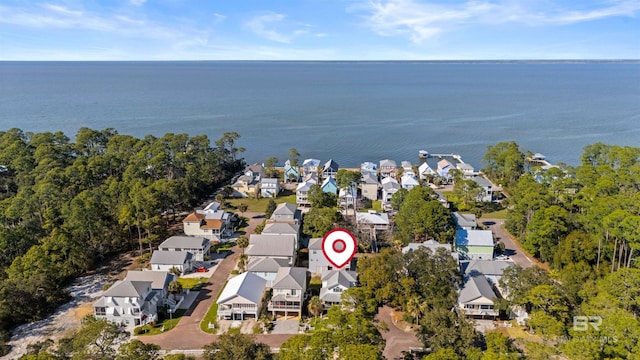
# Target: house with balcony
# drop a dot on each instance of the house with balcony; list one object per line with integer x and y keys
{"x": 290, "y": 173}
{"x": 211, "y": 223}
{"x": 348, "y": 196}
{"x": 318, "y": 262}
{"x": 425, "y": 171}
{"x": 487, "y": 186}
{"x": 444, "y": 167}
{"x": 245, "y": 186}
{"x": 269, "y": 187}
{"x": 198, "y": 246}
{"x": 302, "y": 193}
{"x": 330, "y": 169}
{"x": 310, "y": 166}
{"x": 241, "y": 297}
{"x": 334, "y": 283}
{"x": 477, "y": 298}
{"x": 389, "y": 187}
{"x": 467, "y": 170}
{"x": 330, "y": 185}
{"x": 128, "y": 303}
{"x": 289, "y": 287}
{"x": 160, "y": 281}
{"x": 266, "y": 268}
{"x": 409, "y": 181}
{"x": 255, "y": 171}
{"x": 369, "y": 168}
{"x": 372, "y": 220}
{"x": 388, "y": 168}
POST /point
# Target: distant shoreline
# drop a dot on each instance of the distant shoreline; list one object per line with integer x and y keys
{"x": 450, "y": 61}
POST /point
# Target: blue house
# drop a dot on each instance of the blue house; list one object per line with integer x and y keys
{"x": 291, "y": 173}
{"x": 329, "y": 185}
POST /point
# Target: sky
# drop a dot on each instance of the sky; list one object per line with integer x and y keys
{"x": 319, "y": 29}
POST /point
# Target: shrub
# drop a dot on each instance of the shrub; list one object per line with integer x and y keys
{"x": 141, "y": 330}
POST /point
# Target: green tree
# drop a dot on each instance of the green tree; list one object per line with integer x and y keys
{"x": 294, "y": 156}
{"x": 270, "y": 167}
{"x": 505, "y": 162}
{"x": 175, "y": 287}
{"x": 315, "y": 306}
{"x": 97, "y": 339}
{"x": 271, "y": 207}
{"x": 243, "y": 207}
{"x": 321, "y": 199}
{"x": 242, "y": 243}
{"x": 236, "y": 346}
{"x": 318, "y": 221}
{"x": 137, "y": 350}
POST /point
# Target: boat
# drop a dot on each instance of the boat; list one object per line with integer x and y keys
{"x": 423, "y": 154}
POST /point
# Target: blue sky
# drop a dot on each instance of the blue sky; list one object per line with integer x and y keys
{"x": 319, "y": 29}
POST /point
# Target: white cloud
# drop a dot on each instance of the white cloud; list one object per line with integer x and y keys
{"x": 423, "y": 20}
{"x": 271, "y": 27}
{"x": 137, "y": 2}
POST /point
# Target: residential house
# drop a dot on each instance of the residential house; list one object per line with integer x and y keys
{"x": 491, "y": 269}
{"x": 302, "y": 193}
{"x": 389, "y": 187}
{"x": 310, "y": 166}
{"x": 269, "y": 187}
{"x": 286, "y": 212}
{"x": 477, "y": 298}
{"x": 368, "y": 168}
{"x": 266, "y": 267}
{"x": 425, "y": 171}
{"x": 255, "y": 171}
{"x": 474, "y": 244}
{"x": 160, "y": 281}
{"x": 196, "y": 245}
{"x": 241, "y": 297}
{"x": 334, "y": 283}
{"x": 311, "y": 178}
{"x": 291, "y": 173}
{"x": 487, "y": 196}
{"x": 387, "y": 168}
{"x": 406, "y": 167}
{"x": 329, "y": 185}
{"x": 464, "y": 221}
{"x": 274, "y": 246}
{"x": 211, "y": 223}
{"x": 348, "y": 196}
{"x": 289, "y": 288}
{"x": 369, "y": 186}
{"x": 409, "y": 181}
{"x": 466, "y": 169}
{"x": 283, "y": 228}
{"x": 128, "y": 303}
{"x": 166, "y": 260}
{"x": 245, "y": 186}
{"x": 429, "y": 244}
{"x": 444, "y": 166}
{"x": 372, "y": 220}
{"x": 330, "y": 168}
{"x": 318, "y": 262}
{"x": 442, "y": 199}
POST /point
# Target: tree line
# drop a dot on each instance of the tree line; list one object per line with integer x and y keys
{"x": 67, "y": 205}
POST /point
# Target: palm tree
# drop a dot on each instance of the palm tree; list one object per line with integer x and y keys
{"x": 242, "y": 243}
{"x": 243, "y": 207}
{"x": 315, "y": 306}
{"x": 414, "y": 307}
{"x": 175, "y": 287}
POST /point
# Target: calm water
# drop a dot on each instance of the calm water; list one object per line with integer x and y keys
{"x": 348, "y": 111}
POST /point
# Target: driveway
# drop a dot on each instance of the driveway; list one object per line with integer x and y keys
{"x": 512, "y": 248}
{"x": 397, "y": 339}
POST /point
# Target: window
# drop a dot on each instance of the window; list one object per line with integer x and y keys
{"x": 100, "y": 311}
{"x": 293, "y": 291}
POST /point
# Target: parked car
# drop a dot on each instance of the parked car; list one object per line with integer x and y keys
{"x": 201, "y": 269}
{"x": 502, "y": 257}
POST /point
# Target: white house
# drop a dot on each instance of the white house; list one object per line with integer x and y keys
{"x": 273, "y": 246}
{"x": 491, "y": 269}
{"x": 286, "y": 212}
{"x": 334, "y": 283}
{"x": 372, "y": 220}
{"x": 128, "y": 303}
{"x": 310, "y": 166}
{"x": 487, "y": 196}
{"x": 347, "y": 196}
{"x": 302, "y": 193}
{"x": 269, "y": 187}
{"x": 477, "y": 298}
{"x": 368, "y": 168}
{"x": 160, "y": 281}
{"x": 474, "y": 244}
{"x": 389, "y": 187}
{"x": 282, "y": 228}
{"x": 318, "y": 262}
{"x": 288, "y": 287}
{"x": 429, "y": 244}
{"x": 241, "y": 297}
{"x": 466, "y": 169}
{"x": 444, "y": 166}
{"x": 166, "y": 260}
{"x": 388, "y": 168}
{"x": 198, "y": 246}
{"x": 267, "y": 268}
{"x": 409, "y": 181}
{"x": 254, "y": 171}
{"x": 425, "y": 171}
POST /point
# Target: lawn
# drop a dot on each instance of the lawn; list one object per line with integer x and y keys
{"x": 259, "y": 205}
{"x": 192, "y": 283}
{"x": 212, "y": 316}
{"x": 500, "y": 214}
{"x": 164, "y": 325}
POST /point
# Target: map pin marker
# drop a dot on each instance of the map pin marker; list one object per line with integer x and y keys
{"x": 339, "y": 246}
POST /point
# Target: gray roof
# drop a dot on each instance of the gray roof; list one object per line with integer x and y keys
{"x": 285, "y": 209}
{"x": 474, "y": 238}
{"x": 291, "y": 278}
{"x": 185, "y": 242}
{"x": 246, "y": 285}
{"x": 159, "y": 279}
{"x": 281, "y": 228}
{"x": 388, "y": 163}
{"x": 465, "y": 220}
{"x": 464, "y": 166}
{"x": 170, "y": 257}
{"x": 269, "y": 181}
{"x": 256, "y": 168}
{"x": 333, "y": 278}
{"x": 127, "y": 288}
{"x": 330, "y": 165}
{"x": 429, "y": 244}
{"x": 369, "y": 178}
{"x": 484, "y": 267}
{"x": 266, "y": 264}
{"x": 374, "y": 218}
{"x": 315, "y": 244}
{"x": 390, "y": 183}
{"x": 475, "y": 287}
{"x": 482, "y": 181}
{"x": 271, "y": 245}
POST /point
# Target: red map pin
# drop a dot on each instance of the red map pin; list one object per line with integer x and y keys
{"x": 339, "y": 246}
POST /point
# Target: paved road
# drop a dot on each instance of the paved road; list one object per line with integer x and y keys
{"x": 512, "y": 247}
